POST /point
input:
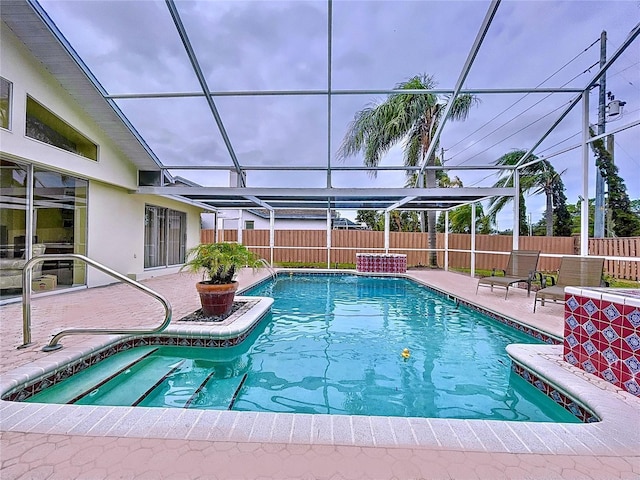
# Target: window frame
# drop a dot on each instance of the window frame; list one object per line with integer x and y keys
{"x": 88, "y": 149}
{"x": 9, "y": 104}
{"x": 249, "y": 224}
{"x": 161, "y": 235}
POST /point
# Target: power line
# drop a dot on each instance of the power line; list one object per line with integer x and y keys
{"x": 630, "y": 66}
{"x": 526, "y": 95}
{"x": 559, "y": 143}
{"x": 627, "y": 153}
{"x": 517, "y": 116}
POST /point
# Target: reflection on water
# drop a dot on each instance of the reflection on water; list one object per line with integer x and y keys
{"x": 333, "y": 344}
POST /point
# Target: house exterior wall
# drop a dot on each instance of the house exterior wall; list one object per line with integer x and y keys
{"x": 29, "y": 77}
{"x": 117, "y": 241}
{"x": 115, "y": 217}
{"x": 231, "y": 222}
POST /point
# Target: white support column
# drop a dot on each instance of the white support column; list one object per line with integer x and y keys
{"x": 446, "y": 240}
{"x": 220, "y": 227}
{"x": 584, "y": 206}
{"x": 240, "y": 225}
{"x": 387, "y": 221}
{"x": 216, "y": 233}
{"x": 31, "y": 214}
{"x": 473, "y": 240}
{"x": 516, "y": 210}
{"x": 328, "y": 238}
{"x": 272, "y": 235}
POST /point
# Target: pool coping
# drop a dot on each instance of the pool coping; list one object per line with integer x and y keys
{"x": 611, "y": 435}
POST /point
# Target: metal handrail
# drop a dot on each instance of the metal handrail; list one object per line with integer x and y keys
{"x": 27, "y": 275}
{"x": 271, "y": 271}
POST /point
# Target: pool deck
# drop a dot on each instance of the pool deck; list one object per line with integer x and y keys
{"x": 66, "y": 441}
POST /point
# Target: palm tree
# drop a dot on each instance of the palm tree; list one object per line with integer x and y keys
{"x": 408, "y": 118}
{"x": 460, "y": 220}
{"x": 538, "y": 178}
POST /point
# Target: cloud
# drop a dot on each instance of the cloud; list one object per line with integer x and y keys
{"x": 133, "y": 46}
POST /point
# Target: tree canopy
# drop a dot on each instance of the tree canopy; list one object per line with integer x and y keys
{"x": 411, "y": 120}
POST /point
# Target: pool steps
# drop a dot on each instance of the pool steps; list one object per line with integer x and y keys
{"x": 86, "y": 380}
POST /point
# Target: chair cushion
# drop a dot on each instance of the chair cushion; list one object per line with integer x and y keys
{"x": 12, "y": 263}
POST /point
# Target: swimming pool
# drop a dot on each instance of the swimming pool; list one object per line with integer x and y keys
{"x": 333, "y": 344}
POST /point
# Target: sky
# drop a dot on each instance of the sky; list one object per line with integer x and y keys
{"x": 132, "y": 47}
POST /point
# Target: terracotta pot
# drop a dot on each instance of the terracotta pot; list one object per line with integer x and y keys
{"x": 216, "y": 300}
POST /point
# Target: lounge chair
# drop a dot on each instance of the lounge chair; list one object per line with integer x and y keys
{"x": 575, "y": 272}
{"x": 520, "y": 268}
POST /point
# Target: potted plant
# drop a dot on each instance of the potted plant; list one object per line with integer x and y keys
{"x": 219, "y": 263}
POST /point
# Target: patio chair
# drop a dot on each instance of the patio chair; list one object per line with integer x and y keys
{"x": 575, "y": 272}
{"x": 520, "y": 268}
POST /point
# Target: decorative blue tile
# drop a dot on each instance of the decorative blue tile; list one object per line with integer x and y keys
{"x": 634, "y": 318}
{"x": 609, "y": 376}
{"x": 556, "y": 396}
{"x": 571, "y": 358}
{"x": 632, "y": 387}
{"x": 572, "y": 303}
{"x": 572, "y": 322}
{"x": 590, "y": 307}
{"x": 575, "y": 409}
{"x": 588, "y": 367}
{"x": 634, "y": 364}
{"x": 610, "y": 355}
{"x": 571, "y": 340}
{"x": 590, "y": 328}
{"x": 589, "y": 347}
{"x": 610, "y": 334}
{"x": 539, "y": 385}
{"x": 611, "y": 312}
{"x": 633, "y": 341}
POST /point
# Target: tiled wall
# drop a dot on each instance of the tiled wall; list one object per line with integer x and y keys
{"x": 602, "y": 334}
{"x": 381, "y": 262}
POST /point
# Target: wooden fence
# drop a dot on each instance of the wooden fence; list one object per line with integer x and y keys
{"x": 310, "y": 247}
{"x": 618, "y": 247}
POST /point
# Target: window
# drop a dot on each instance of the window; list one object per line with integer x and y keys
{"x": 165, "y": 236}
{"x": 47, "y": 127}
{"x": 58, "y": 203}
{"x": 5, "y": 103}
{"x": 249, "y": 225}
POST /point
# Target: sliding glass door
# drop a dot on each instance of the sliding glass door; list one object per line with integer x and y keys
{"x": 165, "y": 235}
{"x": 49, "y": 206}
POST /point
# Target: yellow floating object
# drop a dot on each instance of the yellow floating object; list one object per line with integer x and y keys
{"x": 406, "y": 353}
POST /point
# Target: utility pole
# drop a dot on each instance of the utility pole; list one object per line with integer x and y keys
{"x": 598, "y": 225}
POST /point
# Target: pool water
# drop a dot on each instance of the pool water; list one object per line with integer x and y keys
{"x": 333, "y": 344}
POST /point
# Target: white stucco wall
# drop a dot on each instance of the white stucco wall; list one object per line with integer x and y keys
{"x": 231, "y": 223}
{"x": 29, "y": 77}
{"x": 115, "y": 220}
{"x": 117, "y": 240}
